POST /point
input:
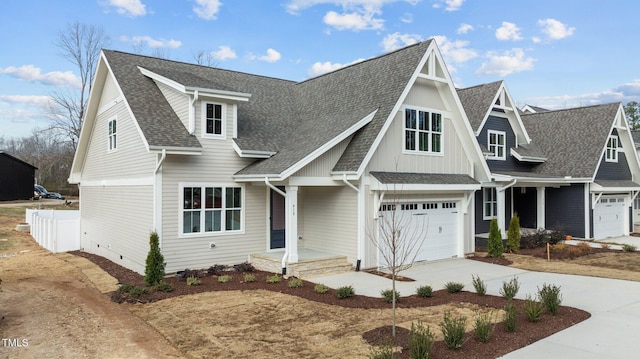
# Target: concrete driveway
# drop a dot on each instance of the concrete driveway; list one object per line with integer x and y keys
{"x": 614, "y": 304}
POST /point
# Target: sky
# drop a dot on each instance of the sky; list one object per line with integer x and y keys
{"x": 550, "y": 53}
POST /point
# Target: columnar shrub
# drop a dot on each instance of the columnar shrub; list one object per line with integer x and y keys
{"x": 494, "y": 245}
{"x": 510, "y": 289}
{"x": 479, "y": 285}
{"x": 387, "y": 294}
{"x": 510, "y": 316}
{"x": 551, "y": 298}
{"x": 533, "y": 309}
{"x": 154, "y": 269}
{"x": 453, "y": 287}
{"x": 483, "y": 327}
{"x": 345, "y": 292}
{"x": 453, "y": 330}
{"x": 420, "y": 341}
{"x": 513, "y": 235}
{"x": 424, "y": 291}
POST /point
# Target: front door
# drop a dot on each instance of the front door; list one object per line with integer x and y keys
{"x": 276, "y": 219}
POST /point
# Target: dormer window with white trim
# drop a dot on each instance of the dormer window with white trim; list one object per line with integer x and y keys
{"x": 612, "y": 149}
{"x": 213, "y": 120}
{"x": 422, "y": 131}
{"x": 112, "y": 135}
{"x": 497, "y": 144}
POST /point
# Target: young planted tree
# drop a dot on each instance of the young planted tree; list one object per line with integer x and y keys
{"x": 513, "y": 235}
{"x": 494, "y": 246}
{"x": 154, "y": 269}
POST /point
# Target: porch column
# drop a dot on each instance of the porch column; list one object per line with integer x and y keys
{"x": 540, "y": 207}
{"x": 502, "y": 205}
{"x": 291, "y": 220}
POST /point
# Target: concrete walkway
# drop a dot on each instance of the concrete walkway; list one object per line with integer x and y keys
{"x": 614, "y": 305}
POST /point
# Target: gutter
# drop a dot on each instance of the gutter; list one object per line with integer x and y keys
{"x": 286, "y": 247}
{"x": 192, "y": 113}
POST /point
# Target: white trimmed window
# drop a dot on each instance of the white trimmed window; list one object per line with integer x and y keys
{"x": 612, "y": 149}
{"x": 213, "y": 120}
{"x": 211, "y": 209}
{"x": 489, "y": 203}
{"x": 112, "y": 135}
{"x": 497, "y": 144}
{"x": 422, "y": 131}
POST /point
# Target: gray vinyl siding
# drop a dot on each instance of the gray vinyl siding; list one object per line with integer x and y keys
{"x": 496, "y": 123}
{"x": 130, "y": 159}
{"x": 322, "y": 166}
{"x": 179, "y": 102}
{"x": 482, "y": 225}
{"x": 565, "y": 209}
{"x": 330, "y": 220}
{"x": 116, "y": 223}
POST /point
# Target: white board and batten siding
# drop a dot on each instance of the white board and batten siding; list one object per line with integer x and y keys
{"x": 216, "y": 165}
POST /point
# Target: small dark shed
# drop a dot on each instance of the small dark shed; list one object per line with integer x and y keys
{"x": 16, "y": 178}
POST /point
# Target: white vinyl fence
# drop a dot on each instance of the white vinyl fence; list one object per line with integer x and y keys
{"x": 57, "y": 231}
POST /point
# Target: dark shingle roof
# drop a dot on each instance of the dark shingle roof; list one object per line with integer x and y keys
{"x": 422, "y": 178}
{"x": 530, "y": 150}
{"x": 617, "y": 184}
{"x": 477, "y": 100}
{"x": 635, "y": 134}
{"x": 572, "y": 139}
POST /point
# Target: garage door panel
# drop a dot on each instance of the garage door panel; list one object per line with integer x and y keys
{"x": 609, "y": 217}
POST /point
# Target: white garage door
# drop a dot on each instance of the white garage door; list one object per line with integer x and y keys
{"x": 434, "y": 225}
{"x": 609, "y": 217}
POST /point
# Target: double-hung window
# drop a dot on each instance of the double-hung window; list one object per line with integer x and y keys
{"x": 213, "y": 122}
{"x": 211, "y": 209}
{"x": 612, "y": 149}
{"x": 112, "y": 135}
{"x": 497, "y": 144}
{"x": 422, "y": 131}
{"x": 489, "y": 203}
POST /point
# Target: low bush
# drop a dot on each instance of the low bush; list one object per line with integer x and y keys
{"x": 382, "y": 351}
{"x": 224, "y": 278}
{"x": 628, "y": 247}
{"x": 479, "y": 285}
{"x": 387, "y": 295}
{"x": 191, "y": 281}
{"x": 558, "y": 247}
{"x": 453, "y": 287}
{"x": 163, "y": 287}
{"x": 274, "y": 279}
{"x": 244, "y": 267}
{"x": 424, "y": 291}
{"x": 510, "y": 289}
{"x": 216, "y": 269}
{"x": 584, "y": 247}
{"x": 550, "y": 296}
{"x": 188, "y": 273}
{"x": 420, "y": 341}
{"x": 248, "y": 278}
{"x": 453, "y": 330}
{"x": 133, "y": 290}
{"x": 510, "y": 316}
{"x": 320, "y": 288}
{"x": 556, "y": 234}
{"x": 483, "y": 327}
{"x": 533, "y": 309}
{"x": 295, "y": 282}
{"x": 345, "y": 292}
{"x": 541, "y": 237}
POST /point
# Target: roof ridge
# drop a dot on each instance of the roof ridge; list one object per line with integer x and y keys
{"x": 571, "y": 108}
{"x": 479, "y": 85}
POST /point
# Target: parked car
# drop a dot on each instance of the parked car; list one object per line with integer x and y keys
{"x": 43, "y": 193}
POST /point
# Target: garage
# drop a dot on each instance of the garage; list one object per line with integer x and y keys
{"x": 434, "y": 223}
{"x": 609, "y": 217}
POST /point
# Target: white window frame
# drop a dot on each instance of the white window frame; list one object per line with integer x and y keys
{"x": 429, "y": 132}
{"x": 223, "y": 119}
{"x": 112, "y": 138}
{"x": 611, "y": 152}
{"x": 494, "y": 148}
{"x": 202, "y": 210}
{"x": 489, "y": 198}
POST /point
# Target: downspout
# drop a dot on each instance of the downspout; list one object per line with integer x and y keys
{"x": 286, "y": 248}
{"x": 192, "y": 113}
{"x": 157, "y": 192}
{"x": 359, "y": 221}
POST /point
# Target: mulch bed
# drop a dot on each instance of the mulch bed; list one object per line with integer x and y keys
{"x": 501, "y": 342}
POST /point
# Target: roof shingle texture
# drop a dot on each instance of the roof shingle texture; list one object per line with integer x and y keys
{"x": 423, "y": 178}
{"x": 477, "y": 100}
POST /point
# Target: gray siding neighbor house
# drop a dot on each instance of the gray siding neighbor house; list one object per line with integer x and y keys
{"x": 228, "y": 166}
{"x": 16, "y": 178}
{"x": 574, "y": 169}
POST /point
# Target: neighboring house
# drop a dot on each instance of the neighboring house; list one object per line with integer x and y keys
{"x": 635, "y": 134}
{"x": 16, "y": 178}
{"x": 224, "y": 164}
{"x": 574, "y": 169}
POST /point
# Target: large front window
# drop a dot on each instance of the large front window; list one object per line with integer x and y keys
{"x": 489, "y": 203}
{"x": 422, "y": 131}
{"x": 612, "y": 149}
{"x": 497, "y": 144}
{"x": 211, "y": 209}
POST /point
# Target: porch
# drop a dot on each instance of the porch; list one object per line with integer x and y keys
{"x": 311, "y": 263}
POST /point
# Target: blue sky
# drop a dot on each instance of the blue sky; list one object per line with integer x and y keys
{"x": 551, "y": 53}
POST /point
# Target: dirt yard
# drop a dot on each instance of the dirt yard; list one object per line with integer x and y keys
{"x": 56, "y": 302}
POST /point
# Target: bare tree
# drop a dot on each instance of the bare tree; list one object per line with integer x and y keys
{"x": 80, "y": 44}
{"x": 203, "y": 57}
{"x": 398, "y": 239}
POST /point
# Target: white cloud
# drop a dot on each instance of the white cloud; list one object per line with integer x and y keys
{"x": 355, "y": 21}
{"x": 506, "y": 63}
{"x": 34, "y": 74}
{"x": 128, "y": 7}
{"x": 554, "y": 29}
{"x": 151, "y": 42}
{"x": 407, "y": 18}
{"x": 464, "y": 28}
{"x": 271, "y": 56}
{"x": 320, "y": 68}
{"x": 454, "y": 52}
{"x": 207, "y": 9}
{"x": 449, "y": 5}
{"x": 397, "y": 40}
{"x": 224, "y": 53}
{"x": 508, "y": 31}
{"x": 40, "y": 101}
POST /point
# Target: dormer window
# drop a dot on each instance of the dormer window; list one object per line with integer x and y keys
{"x": 497, "y": 144}
{"x": 213, "y": 122}
{"x": 612, "y": 149}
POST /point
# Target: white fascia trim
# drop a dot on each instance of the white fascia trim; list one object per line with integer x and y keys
{"x": 251, "y": 153}
{"x": 314, "y": 181}
{"x": 340, "y": 175}
{"x": 596, "y": 188}
{"x": 170, "y": 150}
{"x": 521, "y": 158}
{"x": 377, "y": 186}
{"x": 257, "y": 178}
{"x": 327, "y": 146}
{"x": 120, "y": 182}
{"x": 109, "y": 105}
{"x": 549, "y": 180}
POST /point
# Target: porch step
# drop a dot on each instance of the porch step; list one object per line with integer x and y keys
{"x": 303, "y": 268}
{"x": 322, "y": 270}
